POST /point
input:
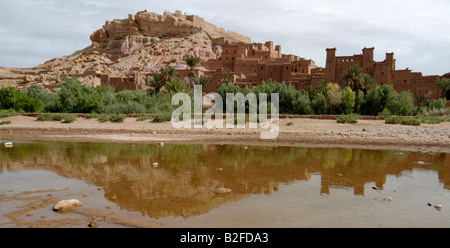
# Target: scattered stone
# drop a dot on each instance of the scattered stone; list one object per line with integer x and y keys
{"x": 67, "y": 204}
{"x": 219, "y": 169}
{"x": 161, "y": 144}
{"x": 93, "y": 223}
{"x": 388, "y": 198}
{"x": 374, "y": 187}
{"x": 222, "y": 190}
{"x": 438, "y": 207}
{"x": 155, "y": 165}
{"x": 339, "y": 175}
{"x": 99, "y": 188}
{"x": 429, "y": 204}
{"x": 246, "y": 148}
{"x": 8, "y": 144}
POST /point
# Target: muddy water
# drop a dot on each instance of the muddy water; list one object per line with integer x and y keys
{"x": 270, "y": 186}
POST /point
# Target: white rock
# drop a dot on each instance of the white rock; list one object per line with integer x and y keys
{"x": 155, "y": 165}
{"x": 8, "y": 144}
{"x": 222, "y": 190}
{"x": 67, "y": 204}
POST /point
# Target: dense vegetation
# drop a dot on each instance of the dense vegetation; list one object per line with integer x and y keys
{"x": 330, "y": 98}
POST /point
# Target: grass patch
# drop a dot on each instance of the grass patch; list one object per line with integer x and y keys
{"x": 8, "y": 113}
{"x": 290, "y": 123}
{"x": 432, "y": 119}
{"x": 416, "y": 121}
{"x": 393, "y": 120}
{"x": 350, "y": 118}
{"x": 92, "y": 116}
{"x": 65, "y": 118}
{"x": 144, "y": 118}
{"x": 411, "y": 121}
{"x": 5, "y": 123}
{"x": 163, "y": 117}
{"x": 111, "y": 117}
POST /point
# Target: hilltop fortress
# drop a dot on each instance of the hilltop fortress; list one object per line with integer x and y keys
{"x": 125, "y": 52}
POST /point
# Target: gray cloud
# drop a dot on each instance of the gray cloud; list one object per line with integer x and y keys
{"x": 417, "y": 31}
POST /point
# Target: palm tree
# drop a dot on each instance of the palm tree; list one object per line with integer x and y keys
{"x": 192, "y": 61}
{"x": 202, "y": 81}
{"x": 444, "y": 86}
{"x": 369, "y": 82}
{"x": 355, "y": 78}
{"x": 157, "y": 82}
{"x": 177, "y": 86}
{"x": 169, "y": 73}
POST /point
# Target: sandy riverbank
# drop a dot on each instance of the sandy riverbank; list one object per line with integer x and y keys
{"x": 370, "y": 134}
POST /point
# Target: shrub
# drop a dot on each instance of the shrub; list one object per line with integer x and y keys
{"x": 290, "y": 123}
{"x": 65, "y": 118}
{"x": 91, "y": 116}
{"x": 111, "y": 117}
{"x": 103, "y": 118}
{"x": 350, "y": 118}
{"x": 385, "y": 113}
{"x": 69, "y": 118}
{"x": 117, "y": 118}
{"x": 301, "y": 105}
{"x": 393, "y": 120}
{"x": 319, "y": 104}
{"x": 5, "y": 122}
{"x": 8, "y": 113}
{"x": 436, "y": 104}
{"x": 144, "y": 118}
{"x": 410, "y": 121}
{"x": 432, "y": 120}
{"x": 162, "y": 117}
{"x": 402, "y": 104}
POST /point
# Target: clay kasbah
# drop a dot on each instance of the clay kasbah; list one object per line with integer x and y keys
{"x": 125, "y": 53}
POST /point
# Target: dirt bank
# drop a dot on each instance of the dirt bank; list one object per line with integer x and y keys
{"x": 370, "y": 134}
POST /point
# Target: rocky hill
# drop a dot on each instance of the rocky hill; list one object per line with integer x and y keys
{"x": 144, "y": 42}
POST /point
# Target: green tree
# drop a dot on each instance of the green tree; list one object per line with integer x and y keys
{"x": 334, "y": 96}
{"x": 169, "y": 73}
{"x": 156, "y": 82}
{"x": 348, "y": 100}
{"x": 354, "y": 78}
{"x": 203, "y": 81}
{"x": 319, "y": 104}
{"x": 444, "y": 86}
{"x": 357, "y": 80}
{"x": 192, "y": 62}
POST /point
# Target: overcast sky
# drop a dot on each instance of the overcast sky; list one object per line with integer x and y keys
{"x": 417, "y": 31}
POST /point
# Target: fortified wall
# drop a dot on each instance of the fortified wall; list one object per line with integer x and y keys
{"x": 383, "y": 72}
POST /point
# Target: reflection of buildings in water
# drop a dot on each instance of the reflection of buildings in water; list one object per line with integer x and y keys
{"x": 183, "y": 183}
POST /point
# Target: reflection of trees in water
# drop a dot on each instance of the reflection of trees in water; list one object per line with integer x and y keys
{"x": 186, "y": 175}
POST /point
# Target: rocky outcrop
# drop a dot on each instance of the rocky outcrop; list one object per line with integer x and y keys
{"x": 144, "y": 43}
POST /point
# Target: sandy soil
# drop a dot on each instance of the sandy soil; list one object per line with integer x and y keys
{"x": 368, "y": 134}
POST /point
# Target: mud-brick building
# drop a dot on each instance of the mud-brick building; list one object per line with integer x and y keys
{"x": 251, "y": 64}
{"x": 383, "y": 72}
